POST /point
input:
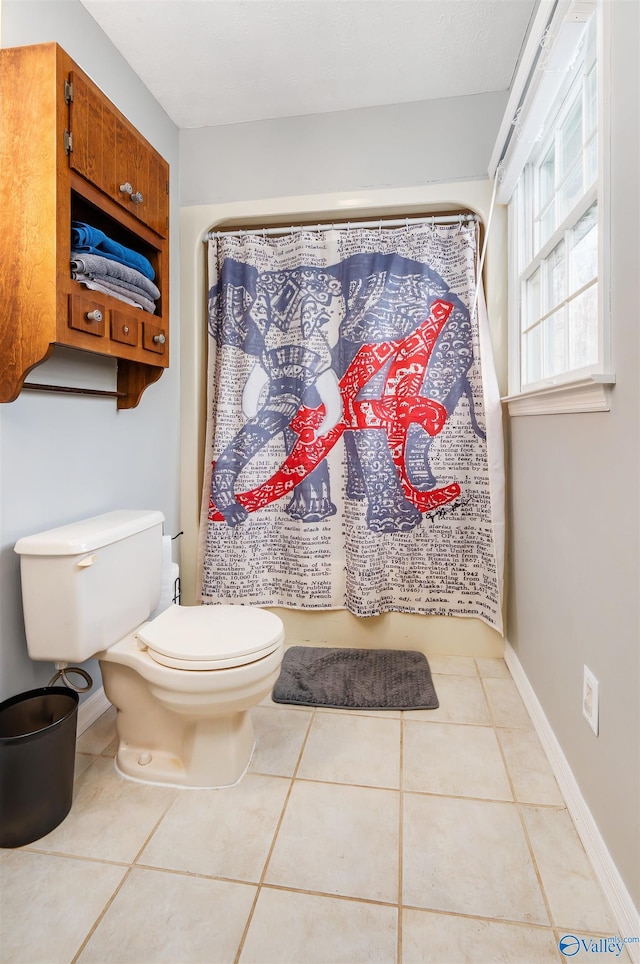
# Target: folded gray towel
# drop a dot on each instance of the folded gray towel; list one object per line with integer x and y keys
{"x": 121, "y": 294}
{"x": 114, "y": 287}
{"x": 95, "y": 266}
{"x": 136, "y": 291}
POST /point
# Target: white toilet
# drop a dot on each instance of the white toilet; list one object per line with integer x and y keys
{"x": 183, "y": 683}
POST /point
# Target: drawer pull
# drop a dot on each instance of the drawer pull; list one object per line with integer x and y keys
{"x": 159, "y": 339}
{"x": 95, "y": 315}
{"x": 125, "y": 329}
{"x": 137, "y": 198}
{"x": 126, "y": 188}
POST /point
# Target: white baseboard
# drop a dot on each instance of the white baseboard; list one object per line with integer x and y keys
{"x": 622, "y": 906}
{"x": 91, "y": 709}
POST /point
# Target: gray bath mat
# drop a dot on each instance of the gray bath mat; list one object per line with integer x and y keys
{"x": 357, "y": 679}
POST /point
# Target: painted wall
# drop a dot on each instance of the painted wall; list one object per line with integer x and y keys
{"x": 352, "y": 163}
{"x": 401, "y": 145}
{"x": 575, "y": 496}
{"x": 65, "y": 457}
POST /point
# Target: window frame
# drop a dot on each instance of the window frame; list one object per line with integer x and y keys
{"x": 588, "y": 388}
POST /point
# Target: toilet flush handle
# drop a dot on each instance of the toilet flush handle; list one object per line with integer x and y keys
{"x": 86, "y": 562}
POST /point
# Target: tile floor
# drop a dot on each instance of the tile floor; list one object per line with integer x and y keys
{"x": 431, "y": 836}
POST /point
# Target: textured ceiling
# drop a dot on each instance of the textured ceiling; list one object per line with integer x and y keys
{"x": 212, "y": 62}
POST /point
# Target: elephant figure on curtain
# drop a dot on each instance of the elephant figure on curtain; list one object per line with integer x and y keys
{"x": 304, "y": 327}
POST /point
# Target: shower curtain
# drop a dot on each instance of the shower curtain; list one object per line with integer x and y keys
{"x": 354, "y": 449}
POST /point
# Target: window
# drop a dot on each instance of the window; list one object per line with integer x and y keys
{"x": 551, "y": 174}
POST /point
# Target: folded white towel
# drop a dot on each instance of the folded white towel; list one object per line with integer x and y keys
{"x": 124, "y": 294}
{"x": 110, "y": 290}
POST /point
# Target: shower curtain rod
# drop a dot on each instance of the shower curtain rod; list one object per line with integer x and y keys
{"x": 331, "y": 225}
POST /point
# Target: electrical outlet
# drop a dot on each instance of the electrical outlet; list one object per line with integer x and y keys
{"x": 590, "y": 699}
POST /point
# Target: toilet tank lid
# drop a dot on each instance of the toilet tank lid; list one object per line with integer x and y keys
{"x": 89, "y": 534}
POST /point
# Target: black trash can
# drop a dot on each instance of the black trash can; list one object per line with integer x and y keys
{"x": 37, "y": 758}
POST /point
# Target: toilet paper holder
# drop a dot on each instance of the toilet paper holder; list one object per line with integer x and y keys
{"x": 177, "y": 588}
{"x": 177, "y": 592}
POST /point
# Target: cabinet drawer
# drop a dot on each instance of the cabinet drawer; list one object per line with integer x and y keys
{"x": 88, "y": 315}
{"x": 124, "y": 328}
{"x": 154, "y": 338}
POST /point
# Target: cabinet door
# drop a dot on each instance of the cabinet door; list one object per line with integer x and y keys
{"x": 147, "y": 175}
{"x": 93, "y": 127}
{"x": 158, "y": 198}
{"x": 132, "y": 166}
{"x": 108, "y": 152}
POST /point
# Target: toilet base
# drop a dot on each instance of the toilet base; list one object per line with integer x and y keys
{"x": 177, "y": 786}
{"x": 217, "y": 754}
{"x": 199, "y": 740}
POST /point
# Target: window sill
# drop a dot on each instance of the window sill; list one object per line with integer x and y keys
{"x": 589, "y": 394}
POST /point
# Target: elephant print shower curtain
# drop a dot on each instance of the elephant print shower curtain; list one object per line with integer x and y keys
{"x": 354, "y": 449}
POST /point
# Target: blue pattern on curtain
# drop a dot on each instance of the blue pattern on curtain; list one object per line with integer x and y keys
{"x": 347, "y": 451}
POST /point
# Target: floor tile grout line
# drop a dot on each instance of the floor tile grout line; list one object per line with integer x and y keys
{"x": 523, "y": 825}
{"x": 374, "y": 902}
{"x": 489, "y": 704}
{"x": 558, "y": 809}
{"x": 519, "y": 810}
{"x": 273, "y": 841}
{"x": 466, "y": 796}
{"x": 511, "y": 725}
{"x": 247, "y": 924}
{"x": 192, "y": 874}
{"x": 153, "y": 830}
{"x": 131, "y": 866}
{"x": 101, "y": 916}
{"x": 584, "y": 931}
{"x": 341, "y": 783}
{"x": 479, "y": 917}
{"x": 64, "y": 855}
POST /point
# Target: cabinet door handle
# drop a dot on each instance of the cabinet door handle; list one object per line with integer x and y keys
{"x": 126, "y": 188}
{"x": 159, "y": 339}
{"x": 137, "y": 198}
{"x": 94, "y": 315}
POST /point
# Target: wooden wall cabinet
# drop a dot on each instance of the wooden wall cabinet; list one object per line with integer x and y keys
{"x": 67, "y": 154}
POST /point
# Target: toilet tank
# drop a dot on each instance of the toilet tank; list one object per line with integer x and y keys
{"x": 88, "y": 584}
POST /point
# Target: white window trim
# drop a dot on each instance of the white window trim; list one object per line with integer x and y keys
{"x": 588, "y": 394}
{"x": 577, "y": 391}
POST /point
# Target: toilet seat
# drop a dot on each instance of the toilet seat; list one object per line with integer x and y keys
{"x": 198, "y": 638}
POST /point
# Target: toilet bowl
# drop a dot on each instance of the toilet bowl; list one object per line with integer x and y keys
{"x": 184, "y": 683}
{"x": 183, "y": 686}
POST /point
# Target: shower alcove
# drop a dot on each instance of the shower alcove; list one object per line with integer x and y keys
{"x": 447, "y": 636}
